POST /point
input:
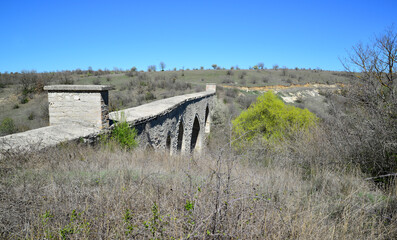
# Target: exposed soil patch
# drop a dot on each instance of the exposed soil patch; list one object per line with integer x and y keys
{"x": 310, "y": 96}
{"x": 282, "y": 87}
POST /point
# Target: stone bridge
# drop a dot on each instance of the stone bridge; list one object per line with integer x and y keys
{"x": 179, "y": 123}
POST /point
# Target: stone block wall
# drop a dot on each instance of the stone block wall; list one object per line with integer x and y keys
{"x": 85, "y": 105}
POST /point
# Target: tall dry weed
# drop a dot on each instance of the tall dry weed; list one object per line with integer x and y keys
{"x": 83, "y": 192}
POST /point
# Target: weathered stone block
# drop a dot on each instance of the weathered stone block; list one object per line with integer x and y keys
{"x": 87, "y": 105}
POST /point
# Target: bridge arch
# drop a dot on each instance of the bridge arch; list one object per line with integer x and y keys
{"x": 196, "y": 139}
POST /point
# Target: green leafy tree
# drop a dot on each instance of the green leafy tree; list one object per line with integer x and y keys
{"x": 271, "y": 119}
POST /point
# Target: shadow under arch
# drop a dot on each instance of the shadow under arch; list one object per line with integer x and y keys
{"x": 180, "y": 136}
{"x": 207, "y": 120}
{"x": 168, "y": 141}
{"x": 195, "y": 134}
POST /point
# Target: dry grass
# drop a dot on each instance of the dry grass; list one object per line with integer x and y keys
{"x": 83, "y": 192}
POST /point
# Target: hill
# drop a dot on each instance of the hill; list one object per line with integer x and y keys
{"x": 23, "y": 100}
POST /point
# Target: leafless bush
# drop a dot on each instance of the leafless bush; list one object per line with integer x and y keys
{"x": 142, "y": 76}
{"x": 66, "y": 79}
{"x": 231, "y": 92}
{"x": 96, "y": 81}
{"x": 199, "y": 88}
{"x": 371, "y": 126}
{"x": 246, "y": 100}
{"x": 227, "y": 80}
{"x": 242, "y": 74}
{"x": 254, "y": 79}
{"x": 284, "y": 71}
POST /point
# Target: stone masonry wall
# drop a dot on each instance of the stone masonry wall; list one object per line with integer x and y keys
{"x": 86, "y": 108}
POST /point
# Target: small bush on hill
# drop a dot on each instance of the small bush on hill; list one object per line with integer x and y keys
{"x": 7, "y": 126}
{"x": 124, "y": 135}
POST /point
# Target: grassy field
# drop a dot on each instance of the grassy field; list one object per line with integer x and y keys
{"x": 29, "y": 109}
{"x": 83, "y": 192}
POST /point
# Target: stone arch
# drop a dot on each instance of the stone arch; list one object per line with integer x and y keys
{"x": 207, "y": 120}
{"x": 195, "y": 143}
{"x": 179, "y": 141}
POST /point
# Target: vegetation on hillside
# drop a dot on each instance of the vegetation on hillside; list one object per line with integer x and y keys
{"x": 22, "y": 94}
{"x": 335, "y": 181}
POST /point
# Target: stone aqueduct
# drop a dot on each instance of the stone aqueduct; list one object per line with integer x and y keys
{"x": 178, "y": 124}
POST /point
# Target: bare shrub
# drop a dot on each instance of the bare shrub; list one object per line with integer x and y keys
{"x": 96, "y": 81}
{"x": 246, "y": 100}
{"x": 227, "y": 80}
{"x": 66, "y": 79}
{"x": 370, "y": 127}
{"x": 265, "y": 79}
{"x": 242, "y": 74}
{"x": 231, "y": 92}
{"x": 284, "y": 71}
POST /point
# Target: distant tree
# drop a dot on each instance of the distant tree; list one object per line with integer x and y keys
{"x": 255, "y": 67}
{"x": 133, "y": 69}
{"x": 90, "y": 71}
{"x": 28, "y": 81}
{"x": 284, "y": 71}
{"x": 78, "y": 71}
{"x": 275, "y": 67}
{"x": 261, "y": 65}
{"x": 116, "y": 69}
{"x": 151, "y": 68}
{"x": 201, "y": 68}
{"x": 214, "y": 66}
{"x": 162, "y": 66}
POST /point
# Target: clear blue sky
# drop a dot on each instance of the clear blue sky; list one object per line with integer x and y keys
{"x": 67, "y": 34}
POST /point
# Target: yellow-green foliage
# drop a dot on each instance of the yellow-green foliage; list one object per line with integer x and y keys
{"x": 270, "y": 118}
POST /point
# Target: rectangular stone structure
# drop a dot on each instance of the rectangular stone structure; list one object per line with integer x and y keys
{"x": 210, "y": 87}
{"x": 87, "y": 105}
